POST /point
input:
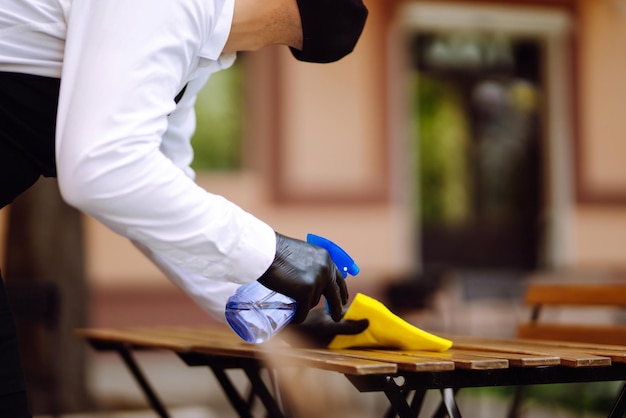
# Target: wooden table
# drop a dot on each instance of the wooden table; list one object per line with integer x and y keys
{"x": 404, "y": 376}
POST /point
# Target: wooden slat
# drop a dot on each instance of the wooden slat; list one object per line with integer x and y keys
{"x": 617, "y": 353}
{"x": 405, "y": 363}
{"x": 198, "y": 336}
{"x": 402, "y": 362}
{"x": 129, "y": 336}
{"x": 606, "y": 294}
{"x": 327, "y": 361}
{"x": 568, "y": 357}
{"x": 516, "y": 359}
{"x": 176, "y": 340}
{"x": 601, "y": 334}
{"x": 460, "y": 360}
{"x": 470, "y": 353}
{"x": 223, "y": 343}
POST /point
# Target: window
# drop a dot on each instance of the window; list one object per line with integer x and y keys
{"x": 217, "y": 141}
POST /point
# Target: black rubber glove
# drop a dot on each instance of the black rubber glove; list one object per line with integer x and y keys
{"x": 305, "y": 272}
{"x": 318, "y": 329}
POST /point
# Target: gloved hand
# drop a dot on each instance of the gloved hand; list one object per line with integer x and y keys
{"x": 318, "y": 329}
{"x": 305, "y": 272}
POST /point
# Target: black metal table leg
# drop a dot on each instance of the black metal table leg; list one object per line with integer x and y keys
{"x": 252, "y": 369}
{"x": 391, "y": 412}
{"x": 263, "y": 392}
{"x": 450, "y": 402}
{"x": 416, "y": 404}
{"x": 399, "y": 404}
{"x": 619, "y": 408}
{"x": 397, "y": 394}
{"x": 241, "y": 406}
{"x": 150, "y": 394}
{"x": 418, "y": 401}
{"x": 447, "y": 406}
{"x": 516, "y": 404}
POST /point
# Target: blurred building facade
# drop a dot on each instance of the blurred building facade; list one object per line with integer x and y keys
{"x": 470, "y": 134}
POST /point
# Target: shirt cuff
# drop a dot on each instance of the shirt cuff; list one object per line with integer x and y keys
{"x": 255, "y": 251}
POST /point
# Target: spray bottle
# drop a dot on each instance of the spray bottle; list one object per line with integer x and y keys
{"x": 257, "y": 313}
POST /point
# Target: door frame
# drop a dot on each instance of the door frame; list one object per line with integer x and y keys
{"x": 552, "y": 27}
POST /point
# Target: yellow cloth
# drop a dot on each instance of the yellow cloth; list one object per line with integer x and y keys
{"x": 386, "y": 329}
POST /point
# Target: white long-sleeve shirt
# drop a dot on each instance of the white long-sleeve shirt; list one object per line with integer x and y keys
{"x": 122, "y": 143}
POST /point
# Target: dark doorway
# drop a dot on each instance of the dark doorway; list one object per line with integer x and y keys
{"x": 477, "y": 127}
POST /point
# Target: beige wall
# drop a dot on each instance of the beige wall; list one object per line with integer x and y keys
{"x": 601, "y": 237}
{"x": 332, "y": 123}
{"x": 367, "y": 232}
{"x": 603, "y": 95}
{"x": 600, "y": 233}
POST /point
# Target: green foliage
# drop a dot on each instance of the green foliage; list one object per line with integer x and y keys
{"x": 442, "y": 132}
{"x": 217, "y": 140}
{"x": 580, "y": 397}
{"x": 586, "y": 397}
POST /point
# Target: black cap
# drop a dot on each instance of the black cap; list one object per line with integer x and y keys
{"x": 330, "y": 28}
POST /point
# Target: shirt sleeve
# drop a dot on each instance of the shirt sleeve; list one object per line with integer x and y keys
{"x": 176, "y": 144}
{"x": 211, "y": 296}
{"x": 124, "y": 63}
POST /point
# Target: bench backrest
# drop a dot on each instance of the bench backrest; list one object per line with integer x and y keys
{"x": 542, "y": 294}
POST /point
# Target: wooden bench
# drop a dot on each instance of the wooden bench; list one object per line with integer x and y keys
{"x": 403, "y": 376}
{"x": 543, "y": 294}
{"x": 578, "y": 294}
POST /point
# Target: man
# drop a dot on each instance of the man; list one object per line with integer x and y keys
{"x": 100, "y": 94}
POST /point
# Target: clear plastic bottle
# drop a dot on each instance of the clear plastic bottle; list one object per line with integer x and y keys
{"x": 257, "y": 313}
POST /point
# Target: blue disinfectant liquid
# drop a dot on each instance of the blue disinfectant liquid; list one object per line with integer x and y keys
{"x": 257, "y": 313}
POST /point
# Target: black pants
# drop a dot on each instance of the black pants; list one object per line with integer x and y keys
{"x": 28, "y": 108}
{"x": 13, "y": 401}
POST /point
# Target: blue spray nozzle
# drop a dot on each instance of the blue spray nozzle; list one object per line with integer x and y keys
{"x": 342, "y": 260}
